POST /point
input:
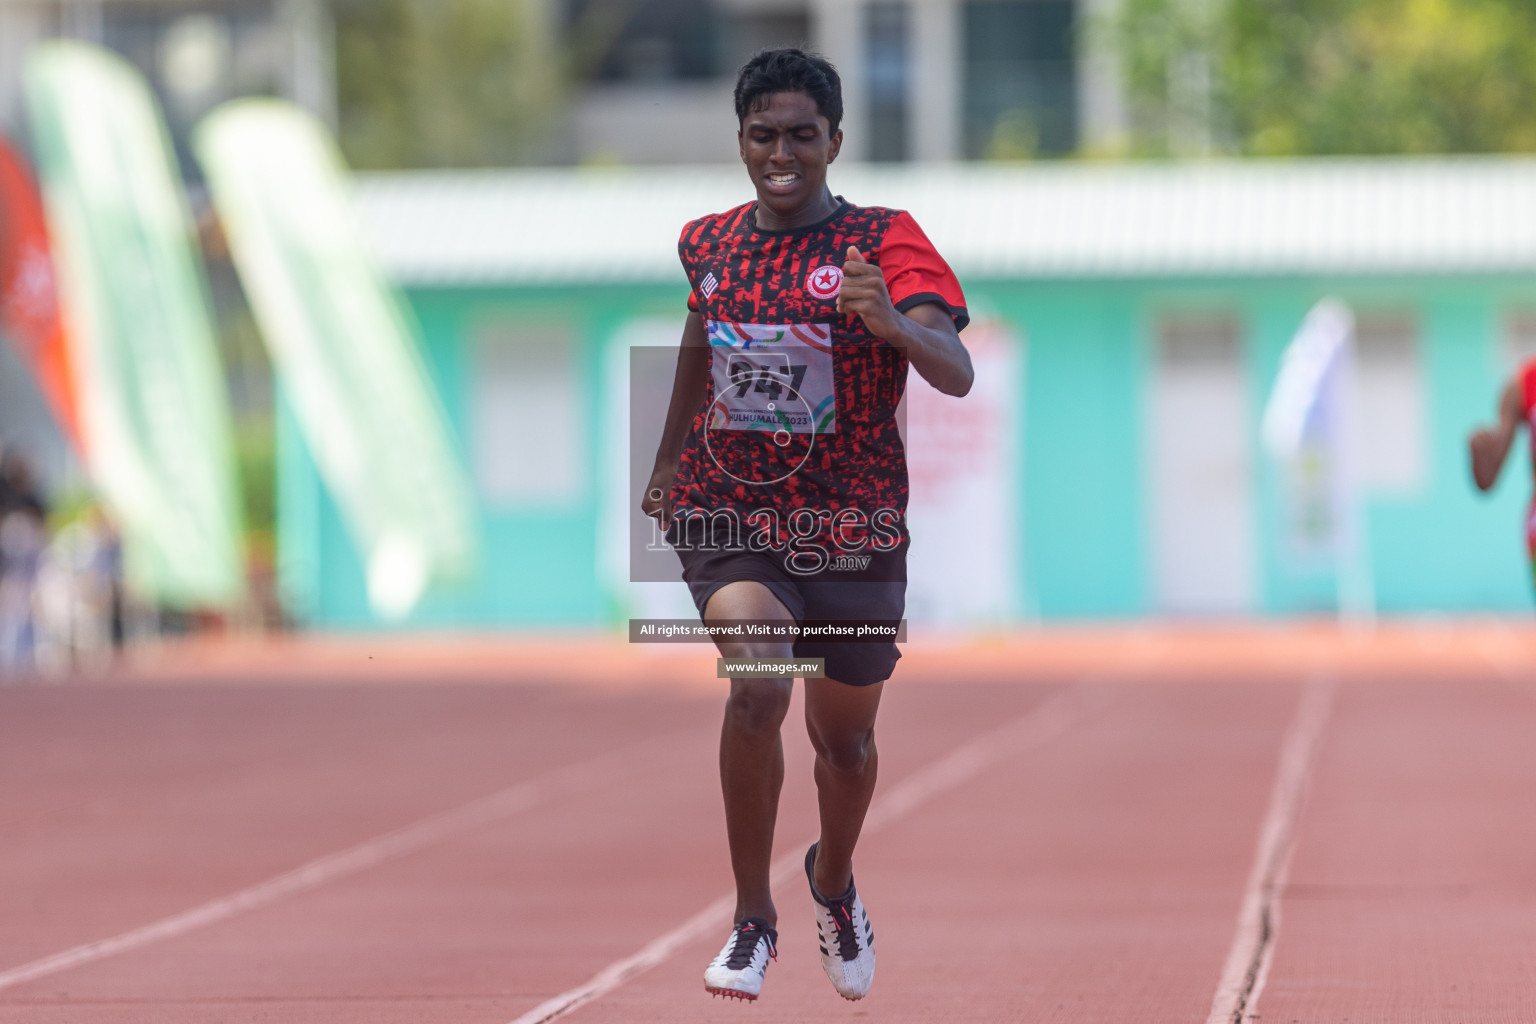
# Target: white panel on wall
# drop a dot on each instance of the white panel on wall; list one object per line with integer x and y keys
{"x": 1518, "y": 340}
{"x": 1390, "y": 416}
{"x": 962, "y": 458}
{"x": 1200, "y": 469}
{"x": 527, "y": 434}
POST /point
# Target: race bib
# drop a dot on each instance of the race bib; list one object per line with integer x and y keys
{"x": 772, "y": 377}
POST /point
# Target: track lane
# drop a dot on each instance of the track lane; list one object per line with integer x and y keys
{"x": 1412, "y": 896}
{"x": 508, "y": 913}
{"x": 182, "y": 797}
{"x": 1095, "y": 878}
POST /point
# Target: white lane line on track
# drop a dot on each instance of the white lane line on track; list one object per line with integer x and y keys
{"x": 580, "y": 777}
{"x": 1258, "y": 919}
{"x": 1044, "y": 722}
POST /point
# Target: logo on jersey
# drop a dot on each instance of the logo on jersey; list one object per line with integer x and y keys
{"x": 825, "y": 281}
{"x": 708, "y": 285}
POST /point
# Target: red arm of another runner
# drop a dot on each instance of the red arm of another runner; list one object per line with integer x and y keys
{"x": 1490, "y": 446}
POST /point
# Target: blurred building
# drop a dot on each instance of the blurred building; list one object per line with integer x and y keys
{"x": 1150, "y": 304}
{"x": 923, "y": 79}
{"x": 929, "y": 80}
{"x": 1144, "y": 308}
{"x": 195, "y": 53}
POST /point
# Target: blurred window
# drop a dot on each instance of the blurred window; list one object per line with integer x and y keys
{"x": 1390, "y": 419}
{"x": 197, "y": 55}
{"x": 747, "y": 32}
{"x": 645, "y": 40}
{"x": 886, "y": 27}
{"x": 1198, "y": 339}
{"x": 1020, "y": 78}
{"x": 1199, "y": 467}
{"x": 527, "y": 437}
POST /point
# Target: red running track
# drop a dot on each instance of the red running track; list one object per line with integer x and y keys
{"x": 1071, "y": 848}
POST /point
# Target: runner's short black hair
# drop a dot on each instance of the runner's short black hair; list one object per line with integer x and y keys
{"x": 790, "y": 70}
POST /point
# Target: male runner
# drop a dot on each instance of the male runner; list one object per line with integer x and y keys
{"x": 1490, "y": 446}
{"x": 782, "y": 482}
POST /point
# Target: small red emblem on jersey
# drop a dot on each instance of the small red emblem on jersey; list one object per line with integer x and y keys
{"x": 825, "y": 281}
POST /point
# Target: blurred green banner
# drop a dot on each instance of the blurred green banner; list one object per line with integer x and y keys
{"x": 153, "y": 411}
{"x": 344, "y": 345}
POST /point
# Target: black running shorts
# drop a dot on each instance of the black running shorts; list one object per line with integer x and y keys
{"x": 876, "y": 591}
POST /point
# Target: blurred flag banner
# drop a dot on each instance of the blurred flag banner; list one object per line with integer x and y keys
{"x": 152, "y": 405}
{"x": 29, "y": 298}
{"x": 1308, "y": 428}
{"x": 344, "y": 346}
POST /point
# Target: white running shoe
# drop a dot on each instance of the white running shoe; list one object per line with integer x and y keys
{"x": 737, "y": 973}
{"x": 847, "y": 940}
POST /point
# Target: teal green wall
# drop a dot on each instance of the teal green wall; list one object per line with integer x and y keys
{"x": 1445, "y": 548}
{"x": 1451, "y": 548}
{"x": 538, "y": 565}
{"x": 1081, "y": 489}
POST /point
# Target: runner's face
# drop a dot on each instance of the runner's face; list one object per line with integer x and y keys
{"x": 787, "y": 147}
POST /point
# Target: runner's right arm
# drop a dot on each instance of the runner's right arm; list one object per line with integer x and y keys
{"x": 689, "y": 389}
{"x": 1490, "y": 445}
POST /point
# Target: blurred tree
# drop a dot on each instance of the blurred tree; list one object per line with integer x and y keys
{"x": 447, "y": 83}
{"x": 1283, "y": 77}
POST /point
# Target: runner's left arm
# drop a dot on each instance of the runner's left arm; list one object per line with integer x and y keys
{"x": 1490, "y": 446}
{"x": 926, "y": 333}
{"x": 690, "y": 389}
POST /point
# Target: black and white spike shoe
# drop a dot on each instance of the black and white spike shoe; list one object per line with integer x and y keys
{"x": 737, "y": 973}
{"x": 847, "y": 941}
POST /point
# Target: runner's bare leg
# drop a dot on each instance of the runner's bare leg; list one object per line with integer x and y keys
{"x": 841, "y": 722}
{"x": 751, "y": 748}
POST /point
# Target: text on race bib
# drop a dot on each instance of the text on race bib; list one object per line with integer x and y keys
{"x": 772, "y": 377}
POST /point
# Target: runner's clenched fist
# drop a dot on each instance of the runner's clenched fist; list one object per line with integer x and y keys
{"x": 864, "y": 293}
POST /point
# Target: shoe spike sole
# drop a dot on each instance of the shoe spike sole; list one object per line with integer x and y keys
{"x": 726, "y": 993}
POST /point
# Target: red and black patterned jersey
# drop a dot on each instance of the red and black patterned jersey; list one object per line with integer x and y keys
{"x": 801, "y": 409}
{"x": 1526, "y": 375}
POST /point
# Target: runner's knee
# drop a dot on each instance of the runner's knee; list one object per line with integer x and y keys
{"x": 758, "y": 705}
{"x": 846, "y": 752}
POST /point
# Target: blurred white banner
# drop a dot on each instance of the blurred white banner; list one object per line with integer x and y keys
{"x": 966, "y": 512}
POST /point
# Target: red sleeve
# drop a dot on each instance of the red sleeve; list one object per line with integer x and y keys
{"x": 693, "y": 301}
{"x": 915, "y": 273}
{"x": 1528, "y": 387}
